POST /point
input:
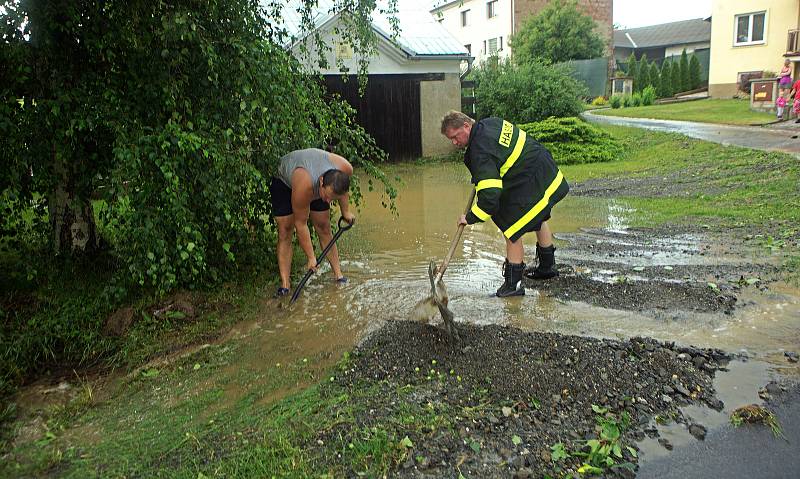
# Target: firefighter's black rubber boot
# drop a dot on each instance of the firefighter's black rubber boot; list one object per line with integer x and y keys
{"x": 512, "y": 272}
{"x": 546, "y": 266}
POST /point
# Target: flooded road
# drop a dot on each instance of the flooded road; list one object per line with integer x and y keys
{"x": 386, "y": 257}
{"x": 747, "y": 136}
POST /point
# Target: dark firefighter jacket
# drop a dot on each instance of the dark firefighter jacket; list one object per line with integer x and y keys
{"x": 516, "y": 179}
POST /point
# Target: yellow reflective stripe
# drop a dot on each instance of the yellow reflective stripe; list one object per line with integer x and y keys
{"x": 483, "y": 184}
{"x": 537, "y": 208}
{"x": 512, "y": 158}
{"x": 477, "y": 211}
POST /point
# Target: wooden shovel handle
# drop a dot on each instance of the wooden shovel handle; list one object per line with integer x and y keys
{"x": 457, "y": 237}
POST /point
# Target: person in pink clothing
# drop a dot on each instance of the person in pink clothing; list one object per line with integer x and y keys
{"x": 785, "y": 77}
{"x": 795, "y": 94}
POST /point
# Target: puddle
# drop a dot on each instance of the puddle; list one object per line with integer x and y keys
{"x": 735, "y": 388}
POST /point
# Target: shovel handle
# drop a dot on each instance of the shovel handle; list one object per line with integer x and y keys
{"x": 456, "y": 238}
{"x": 342, "y": 228}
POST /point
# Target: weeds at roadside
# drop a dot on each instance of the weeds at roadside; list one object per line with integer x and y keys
{"x": 755, "y": 414}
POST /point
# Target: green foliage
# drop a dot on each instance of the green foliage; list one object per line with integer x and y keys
{"x": 636, "y": 99}
{"x": 616, "y": 101}
{"x": 644, "y": 75}
{"x": 529, "y": 92}
{"x": 600, "y": 101}
{"x": 655, "y": 77}
{"x": 606, "y": 451}
{"x": 633, "y": 66}
{"x": 560, "y": 32}
{"x": 648, "y": 96}
{"x": 677, "y": 85}
{"x": 694, "y": 72}
{"x": 666, "y": 80}
{"x": 627, "y": 100}
{"x": 573, "y": 141}
{"x": 174, "y": 115}
{"x": 686, "y": 83}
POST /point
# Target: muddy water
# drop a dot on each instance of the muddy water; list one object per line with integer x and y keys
{"x": 386, "y": 258}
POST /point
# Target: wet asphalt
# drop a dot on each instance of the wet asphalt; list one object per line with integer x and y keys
{"x": 784, "y": 137}
{"x": 746, "y": 452}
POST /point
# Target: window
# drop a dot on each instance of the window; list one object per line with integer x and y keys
{"x": 469, "y": 48}
{"x": 491, "y": 9}
{"x": 749, "y": 28}
{"x": 492, "y": 45}
{"x": 465, "y": 18}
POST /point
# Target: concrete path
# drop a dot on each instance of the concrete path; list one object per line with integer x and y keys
{"x": 785, "y": 138}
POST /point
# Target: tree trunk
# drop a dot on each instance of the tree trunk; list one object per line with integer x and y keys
{"x": 72, "y": 223}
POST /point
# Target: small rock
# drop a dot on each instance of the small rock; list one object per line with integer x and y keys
{"x": 682, "y": 389}
{"x": 684, "y": 356}
{"x": 791, "y": 356}
{"x": 523, "y": 473}
{"x": 118, "y": 323}
{"x": 665, "y": 443}
{"x": 668, "y": 390}
{"x": 698, "y": 431}
{"x": 698, "y": 361}
{"x": 505, "y": 452}
{"x": 666, "y": 399}
{"x": 773, "y": 388}
{"x": 715, "y": 404}
{"x": 493, "y": 419}
{"x": 507, "y": 411}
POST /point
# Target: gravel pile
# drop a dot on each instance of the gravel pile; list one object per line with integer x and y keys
{"x": 510, "y": 395}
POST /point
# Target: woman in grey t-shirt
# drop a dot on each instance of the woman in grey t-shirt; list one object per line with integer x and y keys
{"x": 302, "y": 188}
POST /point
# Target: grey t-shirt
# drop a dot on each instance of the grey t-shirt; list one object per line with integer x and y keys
{"x": 315, "y": 161}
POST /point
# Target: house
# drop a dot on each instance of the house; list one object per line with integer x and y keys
{"x": 484, "y": 26}
{"x": 663, "y": 41}
{"x": 751, "y": 38}
{"x": 413, "y": 79}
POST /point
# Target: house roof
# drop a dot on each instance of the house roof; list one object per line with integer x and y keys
{"x": 675, "y": 33}
{"x": 420, "y": 35}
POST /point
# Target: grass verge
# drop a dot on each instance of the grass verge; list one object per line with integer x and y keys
{"x": 726, "y": 112}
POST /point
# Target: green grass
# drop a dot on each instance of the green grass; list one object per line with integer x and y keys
{"x": 728, "y": 112}
{"x": 739, "y": 187}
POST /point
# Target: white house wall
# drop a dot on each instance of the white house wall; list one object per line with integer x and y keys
{"x": 479, "y": 28}
{"x": 389, "y": 59}
{"x": 690, "y": 47}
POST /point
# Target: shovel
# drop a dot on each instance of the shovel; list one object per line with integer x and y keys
{"x": 438, "y": 295}
{"x": 342, "y": 228}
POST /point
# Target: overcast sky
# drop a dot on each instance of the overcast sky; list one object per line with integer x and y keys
{"x": 640, "y": 13}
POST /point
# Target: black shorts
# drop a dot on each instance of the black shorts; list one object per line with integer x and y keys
{"x": 282, "y": 199}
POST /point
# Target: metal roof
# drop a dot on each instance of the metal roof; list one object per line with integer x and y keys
{"x": 420, "y": 35}
{"x": 696, "y": 30}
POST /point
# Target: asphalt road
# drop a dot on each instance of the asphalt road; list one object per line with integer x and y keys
{"x": 746, "y": 452}
{"x": 785, "y": 139}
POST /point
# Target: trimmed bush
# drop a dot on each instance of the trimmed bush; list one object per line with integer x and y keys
{"x": 573, "y": 141}
{"x": 616, "y": 101}
{"x": 600, "y": 101}
{"x": 648, "y": 96}
{"x": 627, "y": 100}
{"x": 636, "y": 99}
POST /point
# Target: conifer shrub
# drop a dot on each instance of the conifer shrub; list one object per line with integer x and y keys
{"x": 574, "y": 141}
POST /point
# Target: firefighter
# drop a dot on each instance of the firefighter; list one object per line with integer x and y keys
{"x": 517, "y": 183}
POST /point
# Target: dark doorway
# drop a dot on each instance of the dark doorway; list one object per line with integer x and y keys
{"x": 389, "y": 110}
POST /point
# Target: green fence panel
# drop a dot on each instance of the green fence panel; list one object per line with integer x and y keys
{"x": 592, "y": 73}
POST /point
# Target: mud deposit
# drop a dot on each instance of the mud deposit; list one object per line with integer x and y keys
{"x": 505, "y": 396}
{"x": 665, "y": 273}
